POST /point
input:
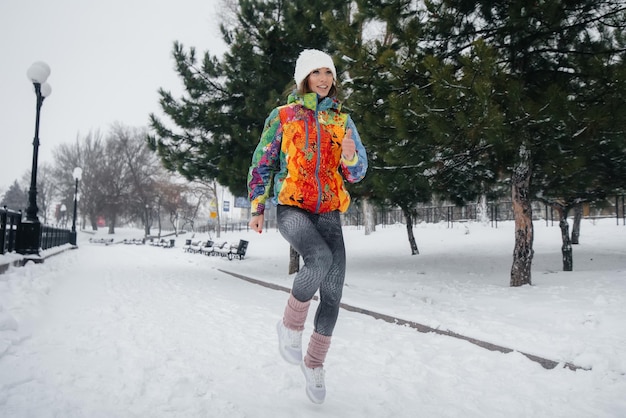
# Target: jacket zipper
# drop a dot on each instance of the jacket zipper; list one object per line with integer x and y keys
{"x": 317, "y": 162}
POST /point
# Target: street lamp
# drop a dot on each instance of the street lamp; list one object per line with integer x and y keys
{"x": 78, "y": 173}
{"x": 29, "y": 239}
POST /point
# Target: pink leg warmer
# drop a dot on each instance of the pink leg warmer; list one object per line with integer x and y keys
{"x": 295, "y": 313}
{"x": 316, "y": 353}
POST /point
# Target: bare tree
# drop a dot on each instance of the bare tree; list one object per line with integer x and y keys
{"x": 45, "y": 191}
{"x": 173, "y": 202}
{"x": 142, "y": 170}
{"x": 87, "y": 152}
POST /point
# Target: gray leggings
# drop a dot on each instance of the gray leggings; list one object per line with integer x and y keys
{"x": 318, "y": 238}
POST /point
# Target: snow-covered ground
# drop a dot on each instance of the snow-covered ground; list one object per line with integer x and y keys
{"x": 141, "y": 331}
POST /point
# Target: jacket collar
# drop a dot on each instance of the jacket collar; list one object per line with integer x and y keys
{"x": 310, "y": 101}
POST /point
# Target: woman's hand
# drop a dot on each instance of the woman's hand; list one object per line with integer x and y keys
{"x": 348, "y": 147}
{"x": 256, "y": 223}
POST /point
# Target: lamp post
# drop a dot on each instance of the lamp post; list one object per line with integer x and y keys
{"x": 77, "y": 173}
{"x": 29, "y": 238}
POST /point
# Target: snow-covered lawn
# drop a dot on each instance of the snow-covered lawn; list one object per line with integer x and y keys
{"x": 141, "y": 331}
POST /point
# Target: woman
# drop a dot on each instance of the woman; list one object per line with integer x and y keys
{"x": 307, "y": 149}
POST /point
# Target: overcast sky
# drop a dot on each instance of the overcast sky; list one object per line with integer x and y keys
{"x": 108, "y": 59}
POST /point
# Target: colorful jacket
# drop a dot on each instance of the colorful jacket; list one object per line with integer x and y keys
{"x": 299, "y": 157}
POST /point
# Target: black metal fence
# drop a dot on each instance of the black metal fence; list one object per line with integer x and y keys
{"x": 53, "y": 237}
{"x": 494, "y": 212}
{"x": 10, "y": 221}
{"x": 225, "y": 227}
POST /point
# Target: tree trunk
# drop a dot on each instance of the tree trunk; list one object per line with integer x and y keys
{"x": 294, "y": 261}
{"x": 218, "y": 229}
{"x": 112, "y": 221}
{"x": 93, "y": 220}
{"x": 578, "y": 215}
{"x": 217, "y": 210}
{"x": 147, "y": 223}
{"x": 368, "y": 217}
{"x": 566, "y": 247}
{"x": 409, "y": 230}
{"x": 483, "y": 210}
{"x": 158, "y": 215}
{"x": 522, "y": 210}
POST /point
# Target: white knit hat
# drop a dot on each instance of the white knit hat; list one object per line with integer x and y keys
{"x": 309, "y": 60}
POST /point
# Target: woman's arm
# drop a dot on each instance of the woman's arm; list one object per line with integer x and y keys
{"x": 354, "y": 170}
{"x": 265, "y": 161}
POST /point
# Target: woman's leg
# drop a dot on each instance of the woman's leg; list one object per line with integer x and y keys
{"x": 329, "y": 226}
{"x": 299, "y": 228}
{"x": 319, "y": 240}
{"x": 331, "y": 287}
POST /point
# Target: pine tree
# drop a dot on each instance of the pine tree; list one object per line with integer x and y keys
{"x": 219, "y": 119}
{"x": 475, "y": 96}
{"x": 15, "y": 198}
{"x": 384, "y": 69}
{"x": 561, "y": 62}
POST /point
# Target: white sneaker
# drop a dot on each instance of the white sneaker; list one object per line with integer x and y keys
{"x": 315, "y": 387}
{"x": 289, "y": 343}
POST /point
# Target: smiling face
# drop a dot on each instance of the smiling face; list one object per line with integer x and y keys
{"x": 320, "y": 81}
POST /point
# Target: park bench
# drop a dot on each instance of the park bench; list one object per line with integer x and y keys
{"x": 165, "y": 243}
{"x": 234, "y": 251}
{"x": 196, "y": 246}
{"x": 221, "y": 249}
{"x": 207, "y": 247}
{"x": 134, "y": 241}
{"x": 238, "y": 251}
{"x": 190, "y": 245}
{"x": 105, "y": 241}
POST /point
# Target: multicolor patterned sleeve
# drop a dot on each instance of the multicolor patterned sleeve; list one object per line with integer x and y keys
{"x": 354, "y": 171}
{"x": 265, "y": 162}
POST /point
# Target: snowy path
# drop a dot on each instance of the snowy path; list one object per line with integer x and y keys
{"x": 171, "y": 336}
{"x": 546, "y": 363}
